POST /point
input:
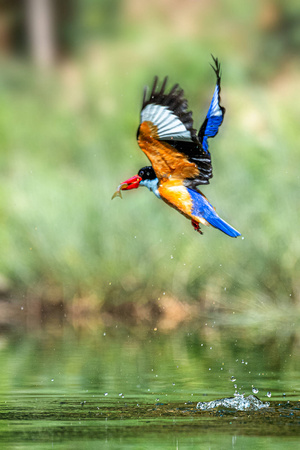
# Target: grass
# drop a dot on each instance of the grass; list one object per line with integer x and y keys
{"x": 68, "y": 139}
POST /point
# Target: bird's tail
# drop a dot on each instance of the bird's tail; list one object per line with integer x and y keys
{"x": 203, "y": 209}
{"x": 219, "y": 223}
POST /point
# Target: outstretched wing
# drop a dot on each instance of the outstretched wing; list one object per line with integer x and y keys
{"x": 215, "y": 115}
{"x": 166, "y": 135}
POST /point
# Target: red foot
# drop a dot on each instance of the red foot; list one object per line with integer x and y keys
{"x": 196, "y": 226}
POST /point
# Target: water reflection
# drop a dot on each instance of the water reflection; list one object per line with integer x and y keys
{"x": 199, "y": 359}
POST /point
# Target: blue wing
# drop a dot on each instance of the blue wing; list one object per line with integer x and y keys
{"x": 202, "y": 208}
{"x": 215, "y": 115}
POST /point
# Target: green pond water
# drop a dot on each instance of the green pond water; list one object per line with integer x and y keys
{"x": 138, "y": 387}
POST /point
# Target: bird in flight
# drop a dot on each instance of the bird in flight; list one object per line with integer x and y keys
{"x": 178, "y": 153}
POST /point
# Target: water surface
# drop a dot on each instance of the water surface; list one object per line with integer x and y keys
{"x": 138, "y": 387}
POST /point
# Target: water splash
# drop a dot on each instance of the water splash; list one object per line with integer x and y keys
{"x": 238, "y": 403}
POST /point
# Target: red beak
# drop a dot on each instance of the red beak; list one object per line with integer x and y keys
{"x": 131, "y": 183}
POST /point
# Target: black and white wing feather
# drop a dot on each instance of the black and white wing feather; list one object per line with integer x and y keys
{"x": 174, "y": 125}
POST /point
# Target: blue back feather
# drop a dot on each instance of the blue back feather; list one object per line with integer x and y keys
{"x": 215, "y": 115}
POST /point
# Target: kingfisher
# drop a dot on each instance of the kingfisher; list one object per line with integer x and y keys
{"x": 179, "y": 155}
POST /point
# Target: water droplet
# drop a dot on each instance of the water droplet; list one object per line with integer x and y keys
{"x": 254, "y": 390}
{"x": 233, "y": 378}
{"x": 269, "y": 394}
{"x": 238, "y": 402}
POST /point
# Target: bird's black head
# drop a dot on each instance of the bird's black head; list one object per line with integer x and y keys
{"x": 146, "y": 177}
{"x": 147, "y": 173}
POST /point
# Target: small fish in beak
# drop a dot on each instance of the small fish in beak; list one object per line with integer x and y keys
{"x": 131, "y": 183}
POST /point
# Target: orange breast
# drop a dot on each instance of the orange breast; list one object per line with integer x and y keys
{"x": 176, "y": 195}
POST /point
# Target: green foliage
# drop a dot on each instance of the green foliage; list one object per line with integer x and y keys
{"x": 68, "y": 139}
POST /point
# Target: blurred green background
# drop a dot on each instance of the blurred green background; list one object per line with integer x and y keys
{"x": 71, "y": 81}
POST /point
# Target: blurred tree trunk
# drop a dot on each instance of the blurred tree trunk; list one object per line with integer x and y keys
{"x": 41, "y": 32}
